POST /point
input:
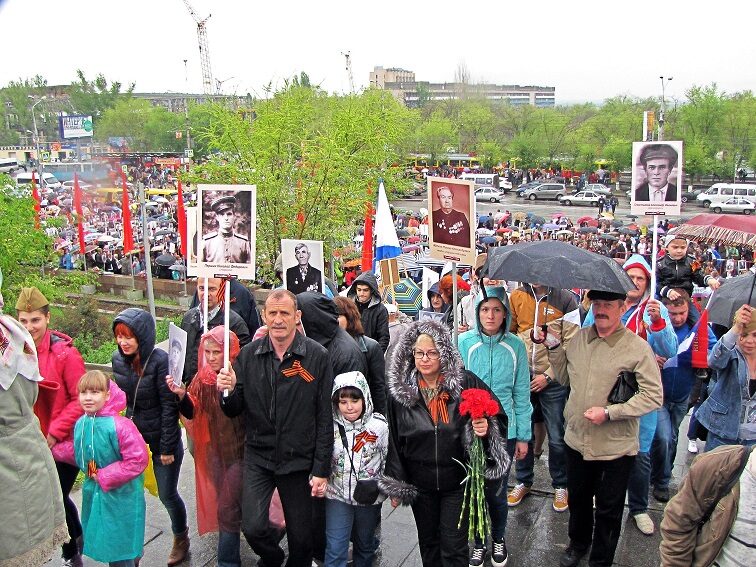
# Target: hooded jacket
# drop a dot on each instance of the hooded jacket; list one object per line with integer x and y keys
{"x": 153, "y": 407}
{"x": 320, "y": 320}
{"x": 113, "y": 507}
{"x": 423, "y": 455}
{"x": 374, "y": 316}
{"x": 59, "y": 363}
{"x": 502, "y": 363}
{"x": 367, "y": 439}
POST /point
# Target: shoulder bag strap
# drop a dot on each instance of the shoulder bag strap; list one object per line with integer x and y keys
{"x": 342, "y": 432}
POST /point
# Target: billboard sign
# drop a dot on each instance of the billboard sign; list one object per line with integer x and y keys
{"x": 75, "y": 126}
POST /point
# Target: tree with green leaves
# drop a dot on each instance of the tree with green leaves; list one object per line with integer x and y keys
{"x": 147, "y": 127}
{"x": 96, "y": 96}
{"x": 315, "y": 159}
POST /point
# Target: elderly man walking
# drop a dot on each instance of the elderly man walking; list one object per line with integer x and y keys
{"x": 601, "y": 438}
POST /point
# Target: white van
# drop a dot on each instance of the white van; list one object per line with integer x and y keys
{"x": 720, "y": 192}
{"x": 45, "y": 179}
{"x": 488, "y": 180}
{"x": 9, "y": 165}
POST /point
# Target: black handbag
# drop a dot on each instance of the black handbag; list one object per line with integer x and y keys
{"x": 366, "y": 490}
{"x": 624, "y": 388}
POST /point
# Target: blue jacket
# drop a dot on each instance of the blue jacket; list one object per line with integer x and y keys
{"x": 720, "y": 413}
{"x": 501, "y": 361}
{"x": 678, "y": 381}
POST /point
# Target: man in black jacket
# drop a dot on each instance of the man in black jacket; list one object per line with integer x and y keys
{"x": 364, "y": 291}
{"x": 194, "y": 326}
{"x": 282, "y": 384}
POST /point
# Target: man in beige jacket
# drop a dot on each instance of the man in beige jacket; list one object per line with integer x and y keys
{"x": 601, "y": 439}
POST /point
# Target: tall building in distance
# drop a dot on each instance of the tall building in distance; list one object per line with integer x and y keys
{"x": 413, "y": 93}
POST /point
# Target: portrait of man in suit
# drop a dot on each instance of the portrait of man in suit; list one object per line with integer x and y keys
{"x": 303, "y": 276}
{"x": 658, "y": 160}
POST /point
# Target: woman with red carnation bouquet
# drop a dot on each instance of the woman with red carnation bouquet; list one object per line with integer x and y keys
{"x": 500, "y": 359}
{"x": 431, "y": 441}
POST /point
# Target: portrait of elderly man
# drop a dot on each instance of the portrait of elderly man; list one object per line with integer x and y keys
{"x": 226, "y": 246}
{"x": 303, "y": 276}
{"x": 658, "y": 161}
{"x": 450, "y": 226}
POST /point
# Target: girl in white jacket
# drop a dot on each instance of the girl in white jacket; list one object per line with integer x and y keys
{"x": 359, "y": 453}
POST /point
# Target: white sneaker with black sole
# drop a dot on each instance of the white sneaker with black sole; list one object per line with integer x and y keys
{"x": 477, "y": 556}
{"x": 499, "y": 554}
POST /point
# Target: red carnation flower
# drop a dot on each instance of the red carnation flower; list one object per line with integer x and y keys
{"x": 478, "y": 403}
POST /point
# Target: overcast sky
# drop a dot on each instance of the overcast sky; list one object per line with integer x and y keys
{"x": 589, "y": 50}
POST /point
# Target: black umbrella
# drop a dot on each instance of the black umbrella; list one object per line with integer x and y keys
{"x": 164, "y": 232}
{"x": 625, "y": 230}
{"x": 730, "y": 297}
{"x": 608, "y": 237}
{"x": 537, "y": 220}
{"x": 588, "y": 230}
{"x": 617, "y": 222}
{"x": 166, "y": 260}
{"x": 402, "y": 232}
{"x": 557, "y": 264}
{"x": 488, "y": 240}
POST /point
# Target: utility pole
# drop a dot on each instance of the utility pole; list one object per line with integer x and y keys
{"x": 663, "y": 107}
{"x": 36, "y": 133}
{"x": 348, "y": 57}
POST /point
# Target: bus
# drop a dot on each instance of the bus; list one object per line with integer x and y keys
{"x": 452, "y": 160}
{"x": 88, "y": 171}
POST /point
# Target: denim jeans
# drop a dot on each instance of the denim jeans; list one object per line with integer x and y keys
{"x": 552, "y": 400}
{"x": 229, "y": 549}
{"x": 122, "y": 563}
{"x": 714, "y": 441}
{"x": 167, "y": 477}
{"x": 340, "y": 519}
{"x": 664, "y": 447}
{"x": 496, "y": 500}
{"x": 638, "y": 484}
{"x": 442, "y": 543}
{"x": 607, "y": 481}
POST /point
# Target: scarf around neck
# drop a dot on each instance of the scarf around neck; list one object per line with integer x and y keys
{"x": 18, "y": 355}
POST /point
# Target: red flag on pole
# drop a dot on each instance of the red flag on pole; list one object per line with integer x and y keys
{"x": 181, "y": 214}
{"x": 367, "y": 242}
{"x": 37, "y": 202}
{"x": 128, "y": 236}
{"x": 79, "y": 214}
{"x": 699, "y": 357}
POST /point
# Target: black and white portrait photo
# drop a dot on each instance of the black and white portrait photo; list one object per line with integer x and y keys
{"x": 227, "y": 227}
{"x": 303, "y": 265}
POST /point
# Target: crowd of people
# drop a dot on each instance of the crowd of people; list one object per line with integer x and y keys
{"x": 331, "y": 405}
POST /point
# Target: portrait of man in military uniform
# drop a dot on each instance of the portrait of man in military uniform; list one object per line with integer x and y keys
{"x": 303, "y": 264}
{"x": 225, "y": 245}
{"x": 303, "y": 276}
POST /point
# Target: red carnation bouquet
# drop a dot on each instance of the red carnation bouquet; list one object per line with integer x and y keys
{"x": 476, "y": 403}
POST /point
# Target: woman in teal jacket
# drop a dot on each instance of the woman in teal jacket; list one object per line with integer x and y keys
{"x": 500, "y": 359}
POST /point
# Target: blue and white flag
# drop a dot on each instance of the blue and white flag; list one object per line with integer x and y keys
{"x": 386, "y": 240}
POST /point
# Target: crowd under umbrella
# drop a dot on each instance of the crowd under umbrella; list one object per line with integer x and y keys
{"x": 535, "y": 219}
{"x": 628, "y": 231}
{"x": 166, "y": 260}
{"x": 557, "y": 264}
{"x": 588, "y": 230}
{"x": 609, "y": 237}
{"x": 731, "y": 295}
{"x": 488, "y": 240}
{"x": 617, "y": 223}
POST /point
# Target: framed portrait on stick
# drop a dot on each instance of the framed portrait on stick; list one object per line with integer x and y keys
{"x": 657, "y": 178}
{"x": 451, "y": 203}
{"x": 303, "y": 265}
{"x": 226, "y": 228}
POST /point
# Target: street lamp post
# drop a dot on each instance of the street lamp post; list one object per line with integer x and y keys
{"x": 663, "y": 107}
{"x": 36, "y": 133}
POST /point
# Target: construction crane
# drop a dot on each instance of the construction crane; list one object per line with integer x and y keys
{"x": 207, "y": 71}
{"x": 347, "y": 56}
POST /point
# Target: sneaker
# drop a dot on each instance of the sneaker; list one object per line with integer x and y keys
{"x": 560, "y": 500}
{"x": 499, "y": 554}
{"x": 519, "y": 492}
{"x": 692, "y": 446}
{"x": 661, "y": 494}
{"x": 75, "y": 561}
{"x": 644, "y": 523}
{"x": 477, "y": 555}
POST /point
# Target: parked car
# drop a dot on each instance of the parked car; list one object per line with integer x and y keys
{"x": 599, "y": 188}
{"x": 488, "y": 194}
{"x": 70, "y": 185}
{"x": 525, "y": 186}
{"x": 582, "y": 198}
{"x": 545, "y": 191}
{"x": 735, "y": 205}
{"x": 690, "y": 195}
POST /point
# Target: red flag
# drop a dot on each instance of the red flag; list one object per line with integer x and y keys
{"x": 367, "y": 242}
{"x": 128, "y": 236}
{"x": 181, "y": 214}
{"x": 700, "y": 351}
{"x": 37, "y": 202}
{"x": 79, "y": 214}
